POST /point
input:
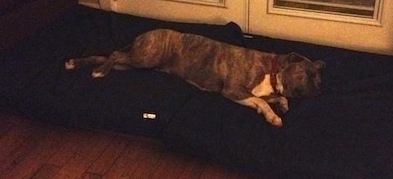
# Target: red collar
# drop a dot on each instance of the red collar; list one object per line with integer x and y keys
{"x": 273, "y": 74}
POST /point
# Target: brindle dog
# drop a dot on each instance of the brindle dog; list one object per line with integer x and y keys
{"x": 248, "y": 77}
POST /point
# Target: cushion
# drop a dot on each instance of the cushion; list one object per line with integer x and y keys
{"x": 40, "y": 87}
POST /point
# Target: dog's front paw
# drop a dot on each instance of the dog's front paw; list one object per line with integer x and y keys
{"x": 274, "y": 120}
{"x": 69, "y": 65}
{"x": 97, "y": 74}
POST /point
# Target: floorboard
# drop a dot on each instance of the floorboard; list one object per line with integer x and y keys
{"x": 31, "y": 149}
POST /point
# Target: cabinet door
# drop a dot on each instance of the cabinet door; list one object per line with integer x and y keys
{"x": 376, "y": 38}
{"x": 202, "y": 11}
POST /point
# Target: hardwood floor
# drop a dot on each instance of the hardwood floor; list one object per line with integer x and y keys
{"x": 30, "y": 149}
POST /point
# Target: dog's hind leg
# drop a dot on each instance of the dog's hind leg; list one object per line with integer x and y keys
{"x": 103, "y": 69}
{"x": 83, "y": 62}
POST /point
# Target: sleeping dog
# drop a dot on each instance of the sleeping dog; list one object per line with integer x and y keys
{"x": 249, "y": 77}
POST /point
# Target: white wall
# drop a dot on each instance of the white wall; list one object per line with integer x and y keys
{"x": 252, "y": 16}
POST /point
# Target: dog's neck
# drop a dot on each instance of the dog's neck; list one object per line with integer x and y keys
{"x": 272, "y": 81}
{"x": 275, "y": 81}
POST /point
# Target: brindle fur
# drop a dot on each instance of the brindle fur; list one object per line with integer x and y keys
{"x": 235, "y": 72}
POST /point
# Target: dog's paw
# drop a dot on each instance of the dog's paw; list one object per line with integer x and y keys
{"x": 97, "y": 74}
{"x": 277, "y": 122}
{"x": 69, "y": 65}
{"x": 274, "y": 120}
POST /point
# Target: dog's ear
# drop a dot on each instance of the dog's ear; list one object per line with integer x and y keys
{"x": 319, "y": 65}
{"x": 294, "y": 57}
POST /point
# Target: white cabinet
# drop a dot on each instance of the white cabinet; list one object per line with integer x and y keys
{"x": 253, "y": 17}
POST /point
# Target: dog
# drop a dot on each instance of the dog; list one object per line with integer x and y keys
{"x": 249, "y": 77}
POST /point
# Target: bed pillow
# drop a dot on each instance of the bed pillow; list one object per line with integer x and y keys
{"x": 215, "y": 128}
{"x": 39, "y": 86}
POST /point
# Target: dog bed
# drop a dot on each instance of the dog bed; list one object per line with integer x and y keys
{"x": 345, "y": 132}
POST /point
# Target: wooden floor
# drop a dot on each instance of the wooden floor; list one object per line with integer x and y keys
{"x": 30, "y": 149}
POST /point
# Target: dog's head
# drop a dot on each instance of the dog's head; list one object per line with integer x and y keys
{"x": 300, "y": 76}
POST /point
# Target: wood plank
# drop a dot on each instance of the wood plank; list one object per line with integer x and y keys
{"x": 193, "y": 169}
{"x": 13, "y": 139}
{"x": 127, "y": 164}
{"x": 172, "y": 166}
{"x": 24, "y": 141}
{"x": 47, "y": 171}
{"x": 216, "y": 172}
{"x": 17, "y": 135}
{"x": 152, "y": 159}
{"x": 75, "y": 139}
{"x": 85, "y": 157}
{"x": 35, "y": 150}
{"x": 45, "y": 146}
{"x": 91, "y": 176}
{"x": 115, "y": 149}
